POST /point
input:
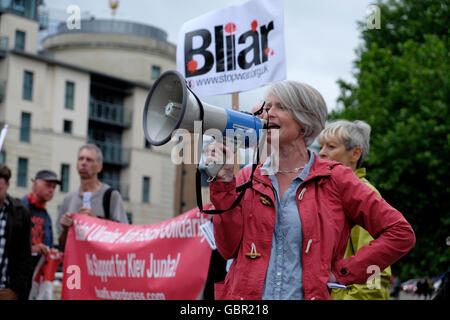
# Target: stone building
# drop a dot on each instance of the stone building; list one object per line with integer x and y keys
{"x": 87, "y": 84}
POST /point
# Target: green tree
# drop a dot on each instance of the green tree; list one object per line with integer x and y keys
{"x": 402, "y": 91}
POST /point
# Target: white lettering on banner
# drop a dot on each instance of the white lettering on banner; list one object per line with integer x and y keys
{"x": 101, "y": 268}
{"x": 163, "y": 268}
{"x": 136, "y": 267}
{"x": 82, "y": 230}
{"x": 128, "y": 295}
{"x": 132, "y": 267}
{"x": 176, "y": 228}
{"x": 101, "y": 234}
{"x": 185, "y": 228}
{"x": 121, "y": 267}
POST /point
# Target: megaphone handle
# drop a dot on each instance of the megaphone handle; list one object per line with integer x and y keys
{"x": 212, "y": 169}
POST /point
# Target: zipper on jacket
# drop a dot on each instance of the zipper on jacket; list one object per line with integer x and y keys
{"x": 300, "y": 196}
{"x": 308, "y": 245}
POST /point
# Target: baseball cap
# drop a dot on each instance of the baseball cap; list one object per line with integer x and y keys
{"x": 46, "y": 175}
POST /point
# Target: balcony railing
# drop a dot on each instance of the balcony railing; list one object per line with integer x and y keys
{"x": 109, "y": 113}
{"x": 27, "y": 9}
{"x": 116, "y": 27}
{"x": 113, "y": 153}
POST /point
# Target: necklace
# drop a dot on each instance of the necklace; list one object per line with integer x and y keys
{"x": 290, "y": 171}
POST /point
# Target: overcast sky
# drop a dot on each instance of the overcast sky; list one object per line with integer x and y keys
{"x": 320, "y": 35}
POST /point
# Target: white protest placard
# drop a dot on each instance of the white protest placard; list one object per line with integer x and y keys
{"x": 3, "y": 135}
{"x": 208, "y": 231}
{"x": 234, "y": 49}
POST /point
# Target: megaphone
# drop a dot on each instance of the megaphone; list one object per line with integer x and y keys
{"x": 171, "y": 105}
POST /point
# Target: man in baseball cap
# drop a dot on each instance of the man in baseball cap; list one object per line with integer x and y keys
{"x": 46, "y": 175}
{"x": 44, "y": 184}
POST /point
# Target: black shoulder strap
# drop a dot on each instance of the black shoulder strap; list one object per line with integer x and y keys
{"x": 241, "y": 189}
{"x": 107, "y": 202}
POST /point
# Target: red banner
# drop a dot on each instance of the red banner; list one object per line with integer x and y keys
{"x": 115, "y": 261}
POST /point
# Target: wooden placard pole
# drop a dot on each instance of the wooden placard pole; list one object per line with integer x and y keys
{"x": 235, "y": 101}
{"x": 235, "y": 106}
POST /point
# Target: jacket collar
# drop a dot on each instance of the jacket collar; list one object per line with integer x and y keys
{"x": 320, "y": 168}
{"x": 360, "y": 173}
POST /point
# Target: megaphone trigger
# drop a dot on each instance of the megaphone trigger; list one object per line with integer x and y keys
{"x": 212, "y": 169}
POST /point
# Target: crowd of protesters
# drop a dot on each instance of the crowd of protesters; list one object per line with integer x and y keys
{"x": 26, "y": 228}
{"x": 309, "y": 227}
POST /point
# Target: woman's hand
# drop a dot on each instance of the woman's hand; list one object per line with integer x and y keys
{"x": 215, "y": 154}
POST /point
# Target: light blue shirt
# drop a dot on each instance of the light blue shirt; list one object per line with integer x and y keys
{"x": 284, "y": 273}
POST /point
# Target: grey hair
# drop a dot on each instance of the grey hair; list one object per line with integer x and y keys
{"x": 353, "y": 134}
{"x": 306, "y": 104}
{"x": 93, "y": 147}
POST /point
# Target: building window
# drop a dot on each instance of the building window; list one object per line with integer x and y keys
{"x": 67, "y": 128}
{"x": 69, "y": 97}
{"x": 156, "y": 72}
{"x": 19, "y": 43}
{"x": 3, "y": 157}
{"x": 24, "y": 8}
{"x": 25, "y": 127}
{"x": 19, "y": 5}
{"x": 130, "y": 217}
{"x": 146, "y": 189}
{"x": 22, "y": 172}
{"x": 65, "y": 172}
{"x": 27, "y": 93}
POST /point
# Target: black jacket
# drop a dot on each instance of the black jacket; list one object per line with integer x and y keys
{"x": 443, "y": 293}
{"x": 18, "y": 246}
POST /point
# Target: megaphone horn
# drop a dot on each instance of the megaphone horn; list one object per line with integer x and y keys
{"x": 170, "y": 105}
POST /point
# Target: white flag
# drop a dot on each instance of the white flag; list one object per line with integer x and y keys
{"x": 3, "y": 135}
{"x": 234, "y": 49}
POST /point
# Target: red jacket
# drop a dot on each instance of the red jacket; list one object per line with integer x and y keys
{"x": 330, "y": 201}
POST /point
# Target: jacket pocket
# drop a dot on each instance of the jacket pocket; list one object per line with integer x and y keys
{"x": 219, "y": 291}
{"x": 222, "y": 292}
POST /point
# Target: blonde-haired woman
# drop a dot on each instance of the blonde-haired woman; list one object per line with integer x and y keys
{"x": 349, "y": 142}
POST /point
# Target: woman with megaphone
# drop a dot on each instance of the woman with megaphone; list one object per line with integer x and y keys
{"x": 288, "y": 235}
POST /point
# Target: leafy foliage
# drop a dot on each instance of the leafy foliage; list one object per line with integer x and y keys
{"x": 402, "y": 91}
